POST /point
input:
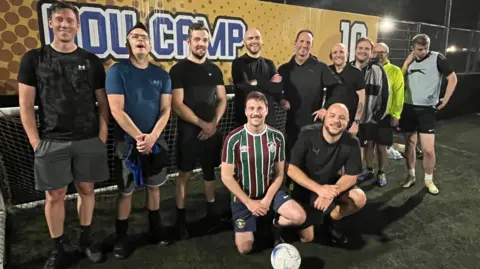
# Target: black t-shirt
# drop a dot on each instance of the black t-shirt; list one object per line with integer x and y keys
{"x": 303, "y": 89}
{"x": 245, "y": 69}
{"x": 199, "y": 83}
{"x": 443, "y": 65}
{"x": 321, "y": 160}
{"x": 65, "y": 86}
{"x": 354, "y": 80}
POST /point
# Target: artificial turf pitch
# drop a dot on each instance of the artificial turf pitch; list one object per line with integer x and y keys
{"x": 398, "y": 228}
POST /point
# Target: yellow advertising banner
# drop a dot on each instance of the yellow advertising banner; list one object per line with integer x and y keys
{"x": 104, "y": 23}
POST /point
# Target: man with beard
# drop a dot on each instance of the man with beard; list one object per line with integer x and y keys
{"x": 320, "y": 152}
{"x": 252, "y": 72}
{"x": 200, "y": 100}
{"x": 394, "y": 109}
{"x": 70, "y": 144}
{"x": 256, "y": 152}
{"x": 353, "y": 96}
{"x": 424, "y": 71}
{"x": 304, "y": 78}
{"x": 139, "y": 94}
{"x": 375, "y": 126}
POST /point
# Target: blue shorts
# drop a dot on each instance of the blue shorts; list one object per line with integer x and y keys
{"x": 245, "y": 221}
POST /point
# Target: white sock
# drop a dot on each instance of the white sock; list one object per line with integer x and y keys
{"x": 428, "y": 177}
{"x": 411, "y": 172}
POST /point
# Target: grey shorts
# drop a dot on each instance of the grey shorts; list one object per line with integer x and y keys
{"x": 125, "y": 181}
{"x": 58, "y": 163}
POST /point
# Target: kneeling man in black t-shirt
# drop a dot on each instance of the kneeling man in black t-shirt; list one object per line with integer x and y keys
{"x": 320, "y": 153}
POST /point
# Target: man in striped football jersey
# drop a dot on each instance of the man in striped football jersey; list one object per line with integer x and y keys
{"x": 253, "y": 161}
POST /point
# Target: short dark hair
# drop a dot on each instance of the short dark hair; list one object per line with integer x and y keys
{"x": 255, "y": 95}
{"x": 303, "y": 31}
{"x": 58, "y": 5}
{"x": 138, "y": 25}
{"x": 196, "y": 26}
{"x": 421, "y": 39}
{"x": 363, "y": 39}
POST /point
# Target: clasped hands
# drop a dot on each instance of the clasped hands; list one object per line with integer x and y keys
{"x": 259, "y": 207}
{"x": 145, "y": 142}
{"x": 208, "y": 129}
{"x": 326, "y": 194}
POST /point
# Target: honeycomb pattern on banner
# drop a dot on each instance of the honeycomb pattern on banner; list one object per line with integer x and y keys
{"x": 278, "y": 24}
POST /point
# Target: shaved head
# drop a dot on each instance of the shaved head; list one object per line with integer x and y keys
{"x": 336, "y": 120}
{"x": 252, "y": 32}
{"x": 339, "y": 55}
{"x": 253, "y": 42}
{"x": 338, "y": 108}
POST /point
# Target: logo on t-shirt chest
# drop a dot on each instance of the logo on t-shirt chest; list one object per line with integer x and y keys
{"x": 243, "y": 149}
{"x": 272, "y": 146}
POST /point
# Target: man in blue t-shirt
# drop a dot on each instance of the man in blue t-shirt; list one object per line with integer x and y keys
{"x": 139, "y": 94}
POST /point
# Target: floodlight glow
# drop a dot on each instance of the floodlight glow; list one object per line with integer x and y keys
{"x": 387, "y": 25}
{"x": 451, "y": 49}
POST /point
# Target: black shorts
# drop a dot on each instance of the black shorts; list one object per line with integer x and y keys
{"x": 420, "y": 119}
{"x": 381, "y": 133}
{"x": 190, "y": 149}
{"x": 306, "y": 198}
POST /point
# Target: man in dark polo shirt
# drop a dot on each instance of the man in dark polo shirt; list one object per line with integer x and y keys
{"x": 320, "y": 152}
{"x": 252, "y": 72}
{"x": 200, "y": 100}
{"x": 353, "y": 94}
{"x": 70, "y": 144}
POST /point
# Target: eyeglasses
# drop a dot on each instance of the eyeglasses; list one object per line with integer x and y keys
{"x": 138, "y": 36}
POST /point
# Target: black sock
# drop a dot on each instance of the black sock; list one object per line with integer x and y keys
{"x": 181, "y": 215}
{"x": 154, "y": 219}
{"x": 210, "y": 206}
{"x": 369, "y": 169}
{"x": 85, "y": 235}
{"x": 275, "y": 220}
{"x": 380, "y": 172}
{"x": 122, "y": 227}
{"x": 58, "y": 243}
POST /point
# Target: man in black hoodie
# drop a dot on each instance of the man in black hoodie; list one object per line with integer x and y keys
{"x": 252, "y": 72}
{"x": 304, "y": 80}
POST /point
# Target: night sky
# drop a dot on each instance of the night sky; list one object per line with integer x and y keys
{"x": 465, "y": 13}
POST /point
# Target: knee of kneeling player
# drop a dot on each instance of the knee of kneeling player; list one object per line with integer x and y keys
{"x": 359, "y": 199}
{"x": 244, "y": 248}
{"x": 307, "y": 238}
{"x": 299, "y": 217}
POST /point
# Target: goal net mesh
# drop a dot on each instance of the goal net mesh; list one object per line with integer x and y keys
{"x": 17, "y": 182}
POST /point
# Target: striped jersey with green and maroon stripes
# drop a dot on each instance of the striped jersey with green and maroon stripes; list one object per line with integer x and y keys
{"x": 254, "y": 157}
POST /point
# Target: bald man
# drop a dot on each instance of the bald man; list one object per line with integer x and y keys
{"x": 321, "y": 151}
{"x": 353, "y": 95}
{"x": 252, "y": 72}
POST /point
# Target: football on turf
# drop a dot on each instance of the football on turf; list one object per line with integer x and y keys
{"x": 285, "y": 256}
